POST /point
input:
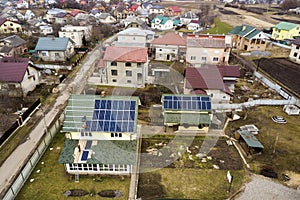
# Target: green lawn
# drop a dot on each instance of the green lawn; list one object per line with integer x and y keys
{"x": 189, "y": 183}
{"x": 219, "y": 28}
{"x": 52, "y": 181}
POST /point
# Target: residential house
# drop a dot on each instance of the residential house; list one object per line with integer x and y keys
{"x": 295, "y": 51}
{"x": 285, "y": 30}
{"x": 134, "y": 37}
{"x": 211, "y": 80}
{"x": 173, "y": 11}
{"x": 157, "y": 9}
{"x": 187, "y": 112}
{"x": 169, "y": 47}
{"x": 17, "y": 77}
{"x": 125, "y": 66}
{"x": 101, "y": 134}
{"x": 248, "y": 38}
{"x": 46, "y": 30}
{"x": 136, "y": 22}
{"x": 106, "y": 18}
{"x": 79, "y": 34}
{"x": 12, "y": 46}
{"x": 162, "y": 23}
{"x": 54, "y": 49}
{"x": 207, "y": 49}
{"x": 7, "y": 26}
{"x": 187, "y": 17}
{"x": 194, "y": 25}
{"x": 52, "y": 14}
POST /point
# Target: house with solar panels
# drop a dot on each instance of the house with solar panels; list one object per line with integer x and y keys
{"x": 187, "y": 112}
{"x": 124, "y": 66}
{"x": 54, "y": 48}
{"x": 101, "y": 134}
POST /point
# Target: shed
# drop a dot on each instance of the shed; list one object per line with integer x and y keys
{"x": 252, "y": 143}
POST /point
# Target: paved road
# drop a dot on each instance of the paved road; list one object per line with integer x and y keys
{"x": 266, "y": 189}
{"x": 11, "y": 167}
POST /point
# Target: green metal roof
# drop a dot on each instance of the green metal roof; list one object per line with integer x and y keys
{"x": 241, "y": 30}
{"x": 162, "y": 19}
{"x": 252, "y": 34}
{"x": 122, "y": 152}
{"x": 250, "y": 139}
{"x": 285, "y": 26}
{"x": 83, "y": 105}
{"x": 66, "y": 155}
{"x": 186, "y": 118}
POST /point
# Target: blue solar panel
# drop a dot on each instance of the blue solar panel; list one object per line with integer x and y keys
{"x": 85, "y": 155}
{"x": 187, "y": 102}
{"x": 113, "y": 116}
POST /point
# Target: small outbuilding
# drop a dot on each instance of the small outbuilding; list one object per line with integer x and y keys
{"x": 291, "y": 109}
{"x": 248, "y": 141}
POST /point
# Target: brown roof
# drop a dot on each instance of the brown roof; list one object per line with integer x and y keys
{"x": 206, "y": 77}
{"x": 2, "y": 20}
{"x": 13, "y": 71}
{"x": 206, "y": 41}
{"x": 126, "y": 54}
{"x": 170, "y": 38}
{"x": 229, "y": 71}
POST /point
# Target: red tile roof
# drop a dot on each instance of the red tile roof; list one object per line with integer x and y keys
{"x": 126, "y": 54}
{"x": 171, "y": 39}
{"x": 175, "y": 8}
{"x": 101, "y": 64}
{"x": 206, "y": 77}
{"x": 13, "y": 71}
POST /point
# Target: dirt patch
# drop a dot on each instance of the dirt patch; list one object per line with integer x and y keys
{"x": 281, "y": 70}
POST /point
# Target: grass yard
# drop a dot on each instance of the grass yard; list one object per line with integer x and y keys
{"x": 52, "y": 181}
{"x": 189, "y": 183}
{"x": 283, "y": 155}
{"x": 219, "y": 28}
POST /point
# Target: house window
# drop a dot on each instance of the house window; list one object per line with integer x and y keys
{"x": 128, "y": 64}
{"x": 133, "y": 38}
{"x": 139, "y": 65}
{"x": 114, "y": 80}
{"x": 215, "y": 59}
{"x": 112, "y": 135}
{"x": 113, "y": 63}
{"x": 33, "y": 77}
{"x": 114, "y": 72}
{"x": 27, "y": 70}
{"x": 295, "y": 54}
{"x": 44, "y": 54}
{"x": 128, "y": 81}
{"x": 297, "y": 47}
{"x": 203, "y": 58}
{"x": 128, "y": 73}
{"x": 193, "y": 57}
{"x": 56, "y": 54}
{"x": 159, "y": 49}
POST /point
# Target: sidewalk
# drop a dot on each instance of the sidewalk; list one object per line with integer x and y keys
{"x": 14, "y": 163}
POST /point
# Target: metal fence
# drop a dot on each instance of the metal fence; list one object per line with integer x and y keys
{"x": 31, "y": 163}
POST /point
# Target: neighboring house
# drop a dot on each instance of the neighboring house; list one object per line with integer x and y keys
{"x": 101, "y": 134}
{"x": 125, "y": 66}
{"x": 173, "y": 11}
{"x": 169, "y": 47}
{"x": 285, "y": 30}
{"x": 54, "y": 49}
{"x": 162, "y": 23}
{"x": 46, "y": 30}
{"x": 106, "y": 18}
{"x": 248, "y": 38}
{"x": 194, "y": 25}
{"x": 7, "y": 26}
{"x": 295, "y": 51}
{"x": 187, "y": 17}
{"x": 207, "y": 49}
{"x": 52, "y": 14}
{"x": 157, "y": 9}
{"x": 134, "y": 37}
{"x": 187, "y": 112}
{"x": 12, "y": 46}
{"x": 135, "y": 22}
{"x": 79, "y": 34}
{"x": 211, "y": 80}
{"x": 17, "y": 77}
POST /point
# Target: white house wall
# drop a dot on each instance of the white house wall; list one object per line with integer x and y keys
{"x": 295, "y": 53}
{"x": 75, "y": 36}
{"x": 100, "y": 136}
{"x": 98, "y": 169}
{"x": 30, "y": 80}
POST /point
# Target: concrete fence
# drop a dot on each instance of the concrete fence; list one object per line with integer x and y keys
{"x": 18, "y": 183}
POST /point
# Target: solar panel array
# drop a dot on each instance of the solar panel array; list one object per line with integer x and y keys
{"x": 187, "y": 102}
{"x": 112, "y": 116}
